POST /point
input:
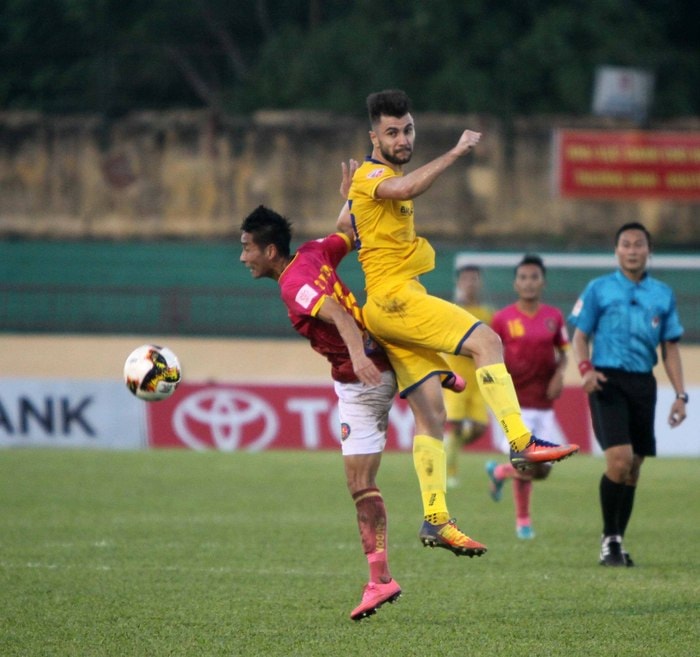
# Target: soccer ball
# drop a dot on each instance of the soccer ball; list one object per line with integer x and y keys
{"x": 152, "y": 373}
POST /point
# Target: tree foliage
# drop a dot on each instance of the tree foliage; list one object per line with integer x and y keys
{"x": 506, "y": 58}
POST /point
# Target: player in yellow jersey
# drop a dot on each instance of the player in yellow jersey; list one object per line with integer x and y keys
{"x": 467, "y": 413}
{"x": 414, "y": 327}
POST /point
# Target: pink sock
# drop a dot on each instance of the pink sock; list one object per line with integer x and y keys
{"x": 504, "y": 471}
{"x": 521, "y": 495}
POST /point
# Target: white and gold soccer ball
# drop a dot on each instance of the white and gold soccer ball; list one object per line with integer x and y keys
{"x": 152, "y": 373}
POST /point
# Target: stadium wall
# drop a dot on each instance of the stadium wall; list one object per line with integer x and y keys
{"x": 187, "y": 175}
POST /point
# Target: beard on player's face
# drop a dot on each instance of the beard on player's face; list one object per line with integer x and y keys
{"x": 398, "y": 157}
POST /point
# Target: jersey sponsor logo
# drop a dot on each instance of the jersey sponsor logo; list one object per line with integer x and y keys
{"x": 376, "y": 173}
{"x": 306, "y": 296}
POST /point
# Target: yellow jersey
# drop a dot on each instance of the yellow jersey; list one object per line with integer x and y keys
{"x": 385, "y": 235}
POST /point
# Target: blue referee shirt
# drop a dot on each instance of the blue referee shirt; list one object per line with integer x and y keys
{"x": 627, "y": 320}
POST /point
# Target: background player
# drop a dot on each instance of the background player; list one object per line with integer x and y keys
{"x": 467, "y": 413}
{"x": 323, "y": 310}
{"x": 535, "y": 346}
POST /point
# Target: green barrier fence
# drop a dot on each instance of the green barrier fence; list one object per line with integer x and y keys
{"x": 201, "y": 288}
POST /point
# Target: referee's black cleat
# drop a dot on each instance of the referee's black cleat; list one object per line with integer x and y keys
{"x": 611, "y": 552}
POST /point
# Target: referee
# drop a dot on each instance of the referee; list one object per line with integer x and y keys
{"x": 625, "y": 316}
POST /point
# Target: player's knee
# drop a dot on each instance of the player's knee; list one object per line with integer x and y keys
{"x": 357, "y": 481}
{"x": 619, "y": 470}
{"x": 484, "y": 344}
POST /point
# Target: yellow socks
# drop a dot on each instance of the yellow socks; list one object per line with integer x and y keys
{"x": 453, "y": 445}
{"x": 429, "y": 462}
{"x": 496, "y": 387}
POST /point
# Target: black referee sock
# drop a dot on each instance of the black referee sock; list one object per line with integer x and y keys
{"x": 611, "y": 503}
{"x": 626, "y": 507}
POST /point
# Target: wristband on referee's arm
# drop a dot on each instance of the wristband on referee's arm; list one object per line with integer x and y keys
{"x": 585, "y": 366}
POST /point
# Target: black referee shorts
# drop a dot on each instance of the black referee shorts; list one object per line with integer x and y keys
{"x": 623, "y": 411}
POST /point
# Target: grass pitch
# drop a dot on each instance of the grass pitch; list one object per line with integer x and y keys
{"x": 179, "y": 553}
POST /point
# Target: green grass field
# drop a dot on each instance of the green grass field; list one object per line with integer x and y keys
{"x": 180, "y": 553}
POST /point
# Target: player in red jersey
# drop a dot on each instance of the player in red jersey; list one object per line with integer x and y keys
{"x": 535, "y": 344}
{"x": 323, "y": 310}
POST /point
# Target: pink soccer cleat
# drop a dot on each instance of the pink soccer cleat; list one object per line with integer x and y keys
{"x": 375, "y": 594}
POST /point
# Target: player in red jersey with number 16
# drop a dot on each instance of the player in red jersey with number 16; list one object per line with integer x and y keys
{"x": 535, "y": 346}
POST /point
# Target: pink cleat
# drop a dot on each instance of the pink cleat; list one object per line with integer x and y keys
{"x": 375, "y": 594}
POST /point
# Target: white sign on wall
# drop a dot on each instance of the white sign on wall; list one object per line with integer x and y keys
{"x": 70, "y": 413}
{"x": 622, "y": 92}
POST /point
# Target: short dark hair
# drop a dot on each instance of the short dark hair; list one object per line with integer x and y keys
{"x": 268, "y": 227}
{"x": 390, "y": 102}
{"x": 632, "y": 225}
{"x": 531, "y": 259}
{"x": 469, "y": 267}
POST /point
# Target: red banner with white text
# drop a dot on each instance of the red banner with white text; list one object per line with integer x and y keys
{"x": 632, "y": 164}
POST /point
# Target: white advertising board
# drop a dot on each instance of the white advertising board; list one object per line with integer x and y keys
{"x": 101, "y": 414}
{"x": 70, "y": 413}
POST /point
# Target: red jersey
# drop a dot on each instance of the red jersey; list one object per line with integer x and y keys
{"x": 310, "y": 278}
{"x": 531, "y": 347}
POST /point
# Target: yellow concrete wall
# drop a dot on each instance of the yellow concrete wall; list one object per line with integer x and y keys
{"x": 182, "y": 174}
{"x": 286, "y": 361}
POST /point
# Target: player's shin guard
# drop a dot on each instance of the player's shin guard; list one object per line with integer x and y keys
{"x": 498, "y": 391}
{"x": 430, "y": 464}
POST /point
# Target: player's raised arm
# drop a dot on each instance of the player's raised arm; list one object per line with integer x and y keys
{"x": 420, "y": 180}
{"x": 343, "y": 223}
{"x": 347, "y": 172}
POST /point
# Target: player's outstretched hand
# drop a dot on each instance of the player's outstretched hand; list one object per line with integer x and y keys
{"x": 348, "y": 170}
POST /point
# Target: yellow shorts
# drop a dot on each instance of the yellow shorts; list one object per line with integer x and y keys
{"x": 469, "y": 404}
{"x": 415, "y": 329}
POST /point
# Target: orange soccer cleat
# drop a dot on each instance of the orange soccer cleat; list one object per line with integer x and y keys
{"x": 540, "y": 451}
{"x": 450, "y": 537}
